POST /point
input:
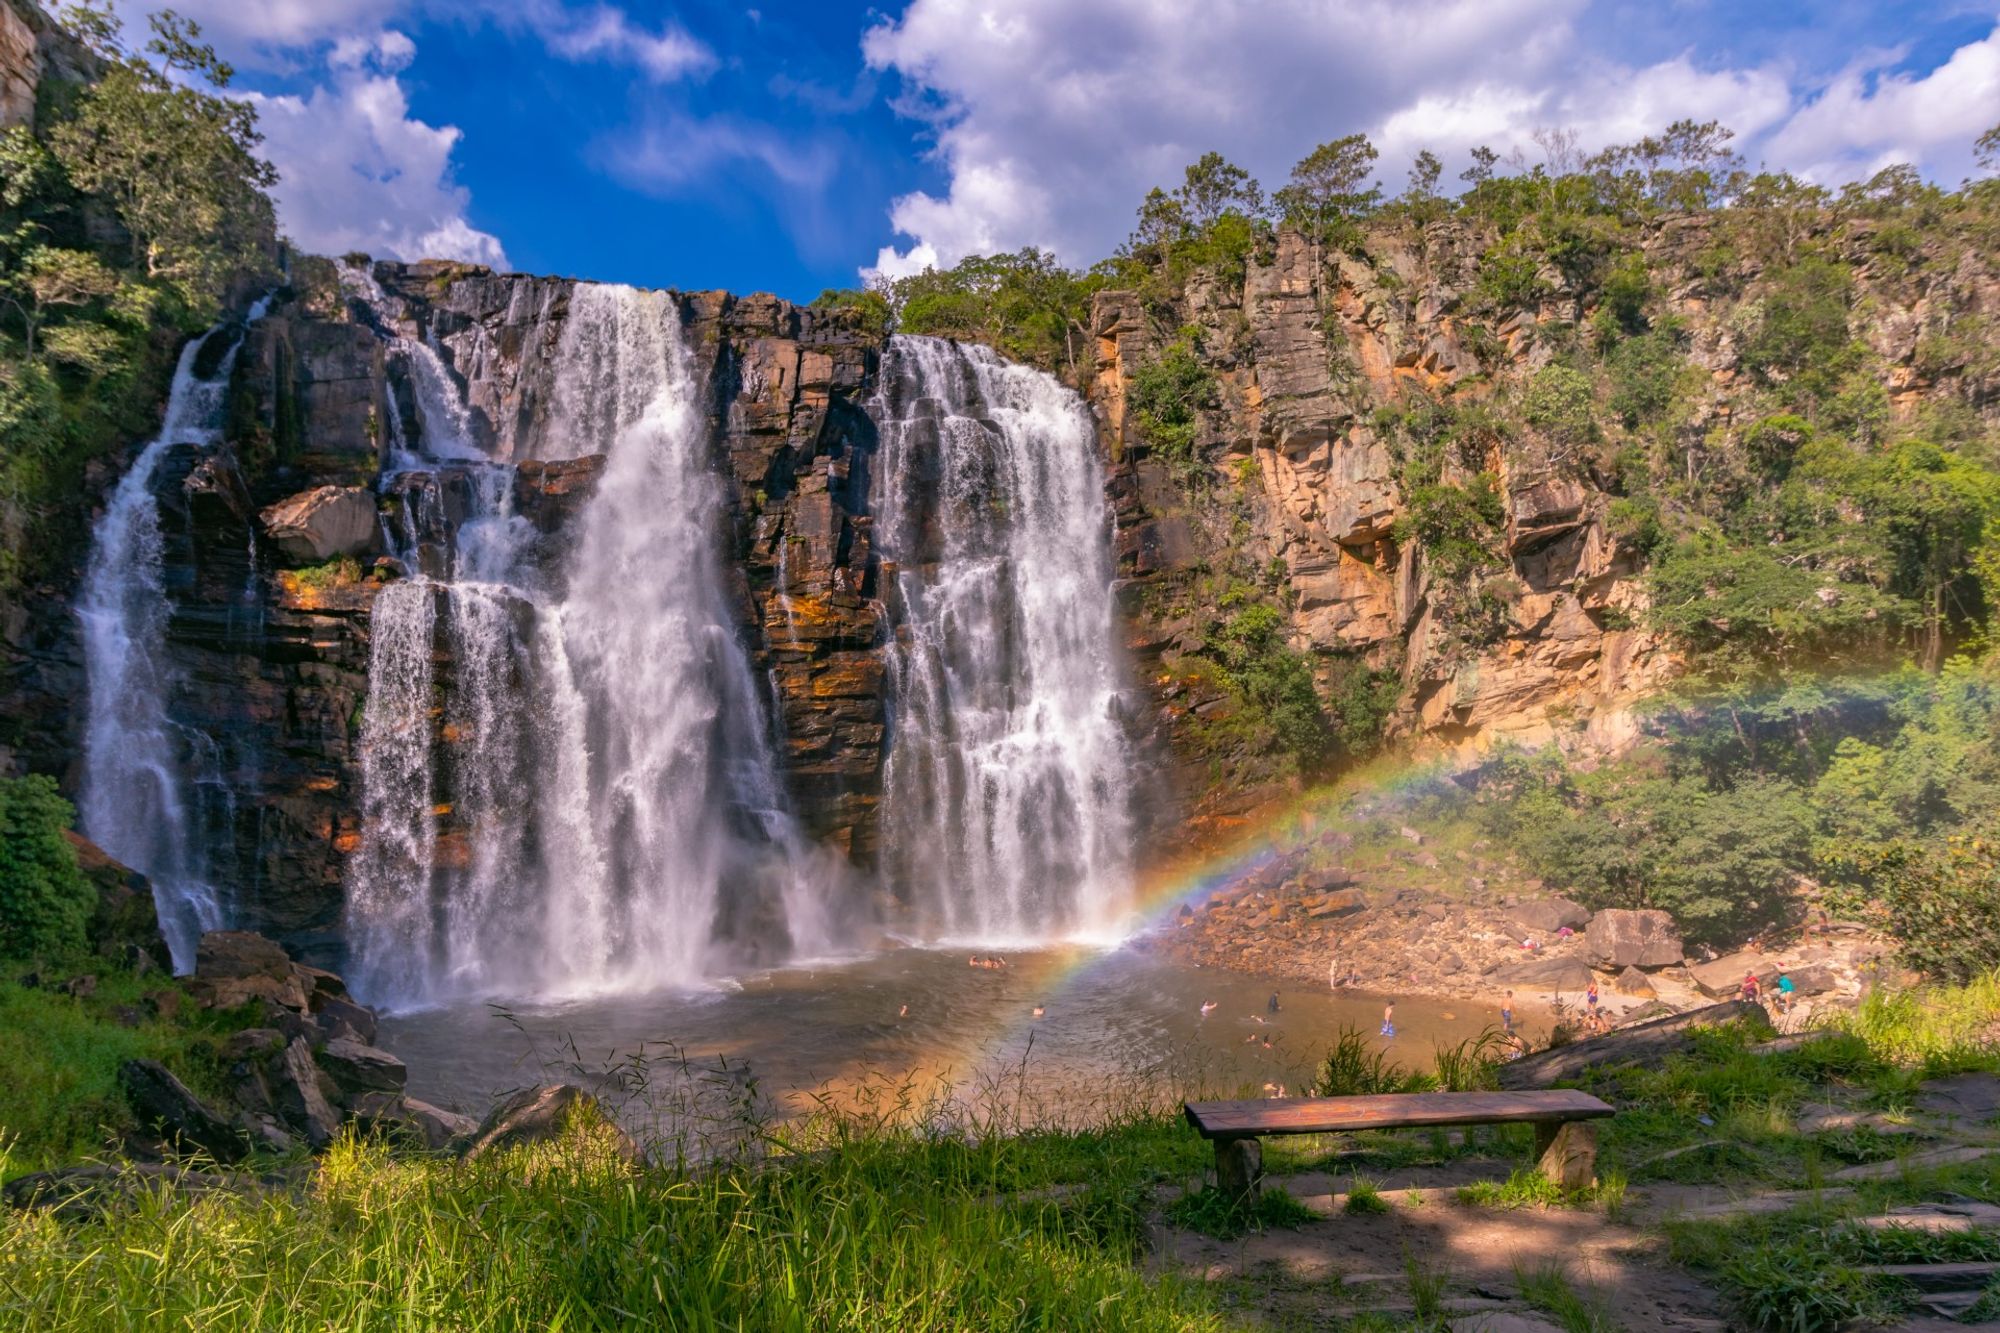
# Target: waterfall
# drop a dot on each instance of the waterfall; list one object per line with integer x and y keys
{"x": 600, "y": 747}
{"x": 1006, "y": 812}
{"x": 135, "y": 802}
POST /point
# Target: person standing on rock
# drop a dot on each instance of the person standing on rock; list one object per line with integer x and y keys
{"x": 1787, "y": 992}
{"x": 1753, "y": 990}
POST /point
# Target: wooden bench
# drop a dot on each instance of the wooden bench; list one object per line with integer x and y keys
{"x": 1565, "y": 1141}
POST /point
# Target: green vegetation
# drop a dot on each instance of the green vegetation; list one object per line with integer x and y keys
{"x": 127, "y": 210}
{"x": 1167, "y": 397}
{"x": 847, "y": 1225}
{"x": 44, "y": 900}
{"x": 1364, "y": 1196}
{"x": 1210, "y": 1213}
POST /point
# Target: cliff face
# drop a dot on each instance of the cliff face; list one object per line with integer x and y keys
{"x": 271, "y": 581}
{"x": 1301, "y": 477}
{"x": 275, "y": 553}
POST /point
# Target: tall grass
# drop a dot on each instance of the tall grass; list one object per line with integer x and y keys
{"x": 848, "y": 1225}
{"x": 1941, "y": 1028}
{"x": 1354, "y": 1066}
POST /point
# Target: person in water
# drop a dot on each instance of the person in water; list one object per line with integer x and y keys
{"x": 1389, "y": 1019}
{"x": 1272, "y": 1007}
{"x": 1207, "y": 1007}
{"x": 1590, "y": 999}
{"x": 1507, "y": 1013}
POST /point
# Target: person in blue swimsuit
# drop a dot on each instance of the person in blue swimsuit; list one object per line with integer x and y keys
{"x": 1507, "y": 1013}
{"x": 1389, "y": 1019}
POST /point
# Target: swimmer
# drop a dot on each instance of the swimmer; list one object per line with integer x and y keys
{"x": 904, "y": 1012}
{"x": 1207, "y": 1008}
{"x": 1272, "y": 1005}
{"x": 1247, "y": 1040}
{"x": 1039, "y": 1011}
{"x": 1267, "y": 1042}
{"x": 1258, "y": 1019}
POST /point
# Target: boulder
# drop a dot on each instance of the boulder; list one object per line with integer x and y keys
{"x": 1723, "y": 978}
{"x": 344, "y": 1018}
{"x": 1550, "y": 974}
{"x": 1546, "y": 916}
{"x": 399, "y": 1117}
{"x": 1633, "y": 982}
{"x": 323, "y": 523}
{"x": 1621, "y": 938}
{"x": 300, "y": 1100}
{"x": 1646, "y": 1043}
{"x": 1813, "y": 979}
{"x": 234, "y": 967}
{"x": 1327, "y": 906}
{"x": 536, "y": 1115}
{"x": 88, "y": 1193}
{"x": 164, "y": 1104}
{"x": 359, "y": 1068}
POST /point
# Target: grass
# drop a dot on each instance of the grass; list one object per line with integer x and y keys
{"x": 60, "y": 1098}
{"x": 1940, "y": 1029}
{"x": 832, "y": 1225}
{"x": 1549, "y": 1289}
{"x": 1365, "y": 1196}
{"x": 1212, "y": 1214}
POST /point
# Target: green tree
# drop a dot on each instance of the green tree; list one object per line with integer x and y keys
{"x": 51, "y": 279}
{"x": 1326, "y": 188}
{"x": 1940, "y": 902}
{"x": 1214, "y": 186}
{"x": 176, "y": 162}
{"x": 1167, "y": 397}
{"x": 45, "y": 901}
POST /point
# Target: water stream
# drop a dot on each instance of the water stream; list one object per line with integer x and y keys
{"x": 136, "y": 801}
{"x": 1006, "y": 815}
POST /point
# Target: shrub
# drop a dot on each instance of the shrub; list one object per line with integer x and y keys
{"x": 1167, "y": 397}
{"x": 44, "y": 899}
{"x": 1560, "y": 402}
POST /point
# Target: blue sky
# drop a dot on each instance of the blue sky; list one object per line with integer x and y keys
{"x": 789, "y": 147}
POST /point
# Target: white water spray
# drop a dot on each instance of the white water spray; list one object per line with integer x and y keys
{"x": 1006, "y": 813}
{"x": 135, "y": 800}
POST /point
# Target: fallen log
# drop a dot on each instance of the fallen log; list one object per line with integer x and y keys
{"x": 1645, "y": 1041}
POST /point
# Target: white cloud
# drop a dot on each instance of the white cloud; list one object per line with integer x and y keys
{"x": 1866, "y": 119}
{"x": 1052, "y": 119}
{"x": 272, "y": 33}
{"x": 358, "y": 172}
{"x": 606, "y": 33}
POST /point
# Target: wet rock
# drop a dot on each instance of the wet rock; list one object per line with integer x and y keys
{"x": 1620, "y": 938}
{"x": 123, "y": 923}
{"x": 235, "y": 967}
{"x": 164, "y": 1105}
{"x": 358, "y": 1068}
{"x": 86, "y": 1193}
{"x": 537, "y": 1115}
{"x": 344, "y": 1018}
{"x": 323, "y": 523}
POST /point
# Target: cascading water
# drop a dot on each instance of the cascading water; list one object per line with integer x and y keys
{"x": 135, "y": 799}
{"x": 600, "y": 751}
{"x": 1006, "y": 813}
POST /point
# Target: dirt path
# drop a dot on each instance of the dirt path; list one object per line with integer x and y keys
{"x": 1342, "y": 1265}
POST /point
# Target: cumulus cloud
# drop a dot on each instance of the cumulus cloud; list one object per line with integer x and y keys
{"x": 358, "y": 172}
{"x": 1052, "y": 119}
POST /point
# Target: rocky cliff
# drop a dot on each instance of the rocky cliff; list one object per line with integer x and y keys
{"x": 1299, "y": 490}
{"x": 1328, "y": 369}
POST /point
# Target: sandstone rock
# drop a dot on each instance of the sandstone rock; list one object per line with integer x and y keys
{"x": 413, "y": 1121}
{"x": 536, "y": 1115}
{"x": 323, "y": 523}
{"x": 164, "y": 1105}
{"x": 1812, "y": 979}
{"x": 1330, "y": 906}
{"x": 1621, "y": 937}
{"x": 1545, "y": 916}
{"x": 1633, "y": 982}
{"x": 1551, "y": 974}
{"x": 234, "y": 954}
{"x": 1723, "y": 978}
{"x": 358, "y": 1068}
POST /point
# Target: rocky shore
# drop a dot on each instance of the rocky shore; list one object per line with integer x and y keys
{"x": 1418, "y": 925}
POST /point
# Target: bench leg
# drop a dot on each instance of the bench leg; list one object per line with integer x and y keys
{"x": 1239, "y": 1168}
{"x": 1567, "y": 1154}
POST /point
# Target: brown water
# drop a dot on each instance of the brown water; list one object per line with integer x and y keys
{"x": 1113, "y": 1022}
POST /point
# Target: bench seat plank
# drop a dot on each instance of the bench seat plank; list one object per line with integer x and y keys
{"x": 1399, "y": 1110}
